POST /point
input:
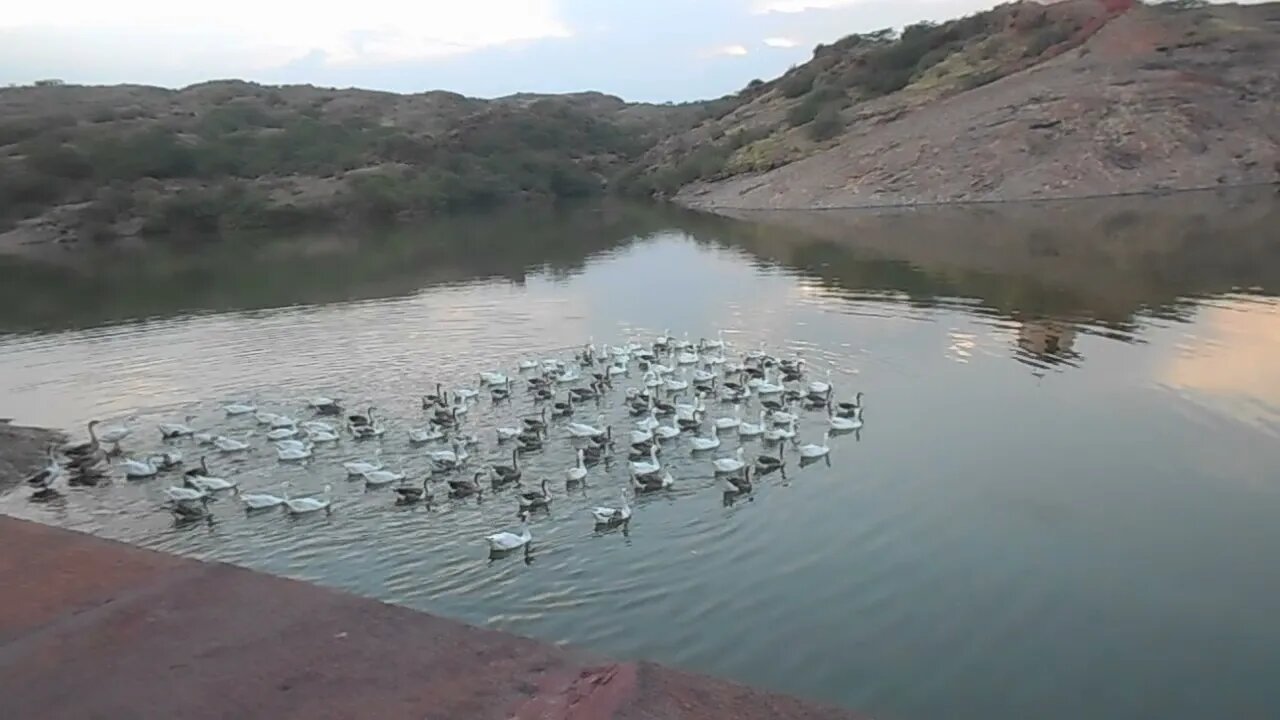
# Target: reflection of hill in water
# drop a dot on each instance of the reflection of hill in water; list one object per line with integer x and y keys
{"x": 1054, "y": 268}
{"x": 1046, "y": 271}
{"x": 1098, "y": 259}
{"x": 87, "y": 289}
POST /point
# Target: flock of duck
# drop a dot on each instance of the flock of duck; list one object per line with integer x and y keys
{"x": 677, "y": 379}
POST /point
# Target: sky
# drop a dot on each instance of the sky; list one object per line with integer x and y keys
{"x": 641, "y": 50}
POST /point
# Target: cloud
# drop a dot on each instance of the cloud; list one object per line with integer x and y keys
{"x": 762, "y": 7}
{"x": 730, "y": 50}
{"x": 270, "y": 34}
{"x": 780, "y": 42}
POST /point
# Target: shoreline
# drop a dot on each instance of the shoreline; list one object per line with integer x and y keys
{"x": 22, "y": 451}
{"x": 232, "y": 642}
{"x": 724, "y": 210}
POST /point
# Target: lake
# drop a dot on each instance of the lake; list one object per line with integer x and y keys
{"x": 1064, "y": 501}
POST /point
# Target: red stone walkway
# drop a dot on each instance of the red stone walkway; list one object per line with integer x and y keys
{"x": 92, "y": 629}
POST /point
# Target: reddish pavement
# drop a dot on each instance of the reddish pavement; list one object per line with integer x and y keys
{"x": 93, "y": 629}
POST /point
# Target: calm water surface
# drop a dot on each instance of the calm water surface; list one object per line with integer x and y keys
{"x": 1064, "y": 502}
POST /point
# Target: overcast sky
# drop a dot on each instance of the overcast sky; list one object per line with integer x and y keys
{"x": 653, "y": 50}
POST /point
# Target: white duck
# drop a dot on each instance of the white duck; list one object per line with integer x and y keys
{"x": 421, "y": 436}
{"x": 506, "y": 434}
{"x": 493, "y": 378}
{"x": 729, "y": 423}
{"x": 641, "y": 436}
{"x": 377, "y": 478}
{"x": 782, "y": 417}
{"x": 504, "y": 542}
{"x": 641, "y": 468}
{"x": 667, "y": 432}
{"x": 818, "y": 387}
{"x": 263, "y": 501}
{"x": 291, "y": 453}
{"x": 844, "y": 424}
{"x": 810, "y": 451}
{"x": 185, "y": 494}
{"x": 675, "y": 384}
{"x": 317, "y": 426}
{"x": 207, "y": 484}
{"x": 450, "y": 459}
{"x": 687, "y": 358}
{"x": 356, "y": 468}
{"x": 702, "y": 444}
{"x": 322, "y": 436}
{"x": 687, "y": 411}
{"x": 168, "y": 431}
{"x": 169, "y": 459}
{"x": 137, "y": 469}
{"x": 752, "y": 429}
{"x": 371, "y": 430}
{"x": 578, "y": 472}
{"x": 228, "y": 445}
{"x": 266, "y": 418}
{"x": 764, "y": 387}
{"x": 304, "y": 505}
{"x": 282, "y": 433}
{"x": 239, "y": 409}
{"x": 580, "y": 430}
{"x": 651, "y": 483}
{"x": 781, "y": 432}
{"x": 45, "y": 476}
{"x": 648, "y": 422}
{"x": 612, "y": 516}
{"x": 730, "y": 464}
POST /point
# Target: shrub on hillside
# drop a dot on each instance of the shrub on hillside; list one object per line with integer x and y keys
{"x": 796, "y": 83}
{"x": 826, "y": 125}
{"x": 57, "y": 160}
{"x": 23, "y": 193}
{"x": 1044, "y": 38}
{"x": 807, "y": 109}
{"x": 151, "y": 153}
{"x": 18, "y": 129}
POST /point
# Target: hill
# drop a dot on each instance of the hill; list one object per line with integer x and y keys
{"x": 105, "y": 162}
{"x": 1023, "y": 101}
{"x": 1083, "y": 97}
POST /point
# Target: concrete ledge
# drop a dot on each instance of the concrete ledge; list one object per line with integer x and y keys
{"x": 91, "y": 628}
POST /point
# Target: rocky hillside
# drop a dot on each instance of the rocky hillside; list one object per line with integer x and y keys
{"x": 1026, "y": 100}
{"x": 100, "y": 163}
{"x": 1083, "y": 97}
